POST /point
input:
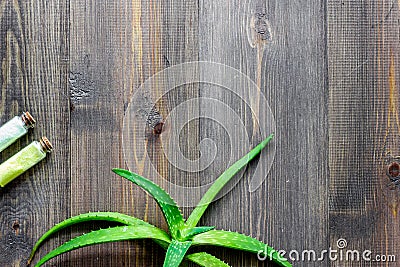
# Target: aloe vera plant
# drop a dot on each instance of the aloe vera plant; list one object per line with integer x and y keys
{"x": 182, "y": 234}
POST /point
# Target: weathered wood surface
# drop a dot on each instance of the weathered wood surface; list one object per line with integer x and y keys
{"x": 364, "y": 124}
{"x": 329, "y": 70}
{"x": 34, "y": 68}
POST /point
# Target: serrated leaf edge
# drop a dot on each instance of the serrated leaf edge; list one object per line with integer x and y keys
{"x": 124, "y": 231}
{"x": 87, "y": 217}
{"x": 221, "y": 262}
{"x": 176, "y": 252}
{"x": 172, "y": 214}
{"x": 222, "y": 180}
{"x": 265, "y": 247}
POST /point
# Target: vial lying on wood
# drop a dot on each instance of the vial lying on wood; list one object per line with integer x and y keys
{"x": 24, "y": 160}
{"x": 15, "y": 129}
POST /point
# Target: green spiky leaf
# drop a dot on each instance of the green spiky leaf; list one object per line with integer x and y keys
{"x": 222, "y": 180}
{"x": 168, "y": 206}
{"x": 87, "y": 217}
{"x": 187, "y": 234}
{"x": 183, "y": 235}
{"x": 241, "y": 242}
{"x": 206, "y": 260}
{"x": 114, "y": 234}
{"x": 176, "y": 252}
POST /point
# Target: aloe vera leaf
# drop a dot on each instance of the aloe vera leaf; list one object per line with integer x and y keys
{"x": 113, "y": 234}
{"x": 201, "y": 258}
{"x": 91, "y": 216}
{"x": 206, "y": 260}
{"x": 241, "y": 242}
{"x": 222, "y": 180}
{"x": 189, "y": 233}
{"x": 168, "y": 206}
{"x": 176, "y": 252}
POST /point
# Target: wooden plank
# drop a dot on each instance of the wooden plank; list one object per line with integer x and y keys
{"x": 33, "y": 56}
{"x": 115, "y": 47}
{"x": 363, "y": 46}
{"x": 290, "y": 209}
{"x": 99, "y": 83}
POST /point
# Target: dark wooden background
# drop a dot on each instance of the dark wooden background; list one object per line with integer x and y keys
{"x": 330, "y": 72}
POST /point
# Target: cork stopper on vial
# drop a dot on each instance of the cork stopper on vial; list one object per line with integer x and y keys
{"x": 28, "y": 120}
{"x": 46, "y": 145}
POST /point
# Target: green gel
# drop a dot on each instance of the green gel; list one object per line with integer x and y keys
{"x": 15, "y": 129}
{"x": 21, "y": 162}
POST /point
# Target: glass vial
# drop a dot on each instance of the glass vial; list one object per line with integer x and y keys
{"x": 24, "y": 160}
{"x": 14, "y": 129}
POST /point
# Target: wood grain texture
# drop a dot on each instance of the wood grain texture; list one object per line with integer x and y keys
{"x": 363, "y": 46}
{"x": 290, "y": 70}
{"x": 115, "y": 47}
{"x": 34, "y": 64}
{"x": 329, "y": 69}
{"x": 100, "y": 83}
